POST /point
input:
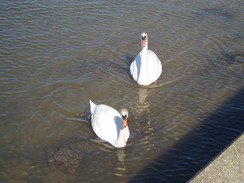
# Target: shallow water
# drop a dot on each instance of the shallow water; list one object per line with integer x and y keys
{"x": 56, "y": 55}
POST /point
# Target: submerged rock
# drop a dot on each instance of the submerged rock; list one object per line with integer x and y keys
{"x": 72, "y": 158}
{"x": 68, "y": 158}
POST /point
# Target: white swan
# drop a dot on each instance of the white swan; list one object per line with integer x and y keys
{"x": 109, "y": 124}
{"x": 146, "y": 68}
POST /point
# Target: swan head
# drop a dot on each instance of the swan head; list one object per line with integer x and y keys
{"x": 124, "y": 113}
{"x": 144, "y": 39}
{"x": 124, "y": 130}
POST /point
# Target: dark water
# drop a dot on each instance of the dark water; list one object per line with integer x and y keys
{"x": 56, "y": 55}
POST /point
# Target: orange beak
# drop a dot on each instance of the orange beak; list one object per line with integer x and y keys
{"x": 124, "y": 122}
{"x": 143, "y": 42}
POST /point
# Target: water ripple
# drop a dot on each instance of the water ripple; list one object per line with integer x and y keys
{"x": 55, "y": 56}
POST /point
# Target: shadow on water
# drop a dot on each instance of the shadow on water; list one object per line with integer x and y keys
{"x": 232, "y": 58}
{"x": 197, "y": 149}
{"x": 220, "y": 12}
{"x": 129, "y": 59}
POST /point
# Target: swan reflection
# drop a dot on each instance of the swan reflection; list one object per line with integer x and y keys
{"x": 142, "y": 105}
{"x": 121, "y": 170}
{"x": 143, "y": 115}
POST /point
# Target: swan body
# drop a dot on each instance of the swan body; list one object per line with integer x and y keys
{"x": 110, "y": 125}
{"x": 146, "y": 68}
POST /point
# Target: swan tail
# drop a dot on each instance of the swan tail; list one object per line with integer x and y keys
{"x": 92, "y": 107}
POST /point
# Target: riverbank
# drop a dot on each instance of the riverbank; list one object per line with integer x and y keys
{"x": 227, "y": 167}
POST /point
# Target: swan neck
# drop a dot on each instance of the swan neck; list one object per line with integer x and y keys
{"x": 142, "y": 77}
{"x": 123, "y": 137}
{"x": 144, "y": 55}
{"x": 144, "y": 49}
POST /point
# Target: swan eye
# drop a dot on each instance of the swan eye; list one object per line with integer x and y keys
{"x": 143, "y": 37}
{"x": 123, "y": 116}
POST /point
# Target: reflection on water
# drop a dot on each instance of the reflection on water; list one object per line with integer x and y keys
{"x": 57, "y": 55}
{"x": 142, "y": 112}
{"x": 142, "y": 104}
{"x": 120, "y": 170}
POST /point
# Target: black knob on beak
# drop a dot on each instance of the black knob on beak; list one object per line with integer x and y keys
{"x": 143, "y": 37}
{"x": 124, "y": 116}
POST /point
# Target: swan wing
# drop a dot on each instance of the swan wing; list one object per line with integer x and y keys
{"x": 106, "y": 123}
{"x": 135, "y": 67}
{"x": 92, "y": 107}
{"x": 154, "y": 67}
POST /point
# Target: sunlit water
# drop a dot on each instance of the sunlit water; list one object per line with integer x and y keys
{"x": 56, "y": 55}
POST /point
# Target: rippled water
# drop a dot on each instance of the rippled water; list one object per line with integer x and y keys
{"x": 56, "y": 55}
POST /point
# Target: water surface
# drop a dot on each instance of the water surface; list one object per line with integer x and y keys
{"x": 56, "y": 55}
